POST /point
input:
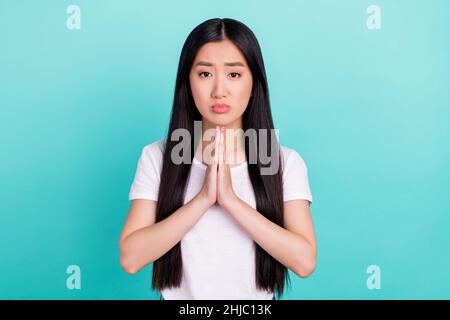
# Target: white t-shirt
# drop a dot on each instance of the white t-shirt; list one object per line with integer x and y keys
{"x": 218, "y": 254}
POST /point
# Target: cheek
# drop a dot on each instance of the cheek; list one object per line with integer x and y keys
{"x": 245, "y": 90}
{"x": 199, "y": 92}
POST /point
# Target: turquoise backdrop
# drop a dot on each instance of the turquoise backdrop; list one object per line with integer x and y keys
{"x": 368, "y": 110}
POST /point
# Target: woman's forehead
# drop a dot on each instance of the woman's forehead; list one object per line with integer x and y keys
{"x": 221, "y": 52}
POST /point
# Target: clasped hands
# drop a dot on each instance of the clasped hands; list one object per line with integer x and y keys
{"x": 217, "y": 186}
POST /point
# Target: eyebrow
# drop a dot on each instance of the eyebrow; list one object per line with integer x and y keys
{"x": 230, "y": 64}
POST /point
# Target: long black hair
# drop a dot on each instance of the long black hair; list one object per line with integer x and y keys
{"x": 268, "y": 189}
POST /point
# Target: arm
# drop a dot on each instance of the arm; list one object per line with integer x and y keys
{"x": 294, "y": 246}
{"x": 143, "y": 241}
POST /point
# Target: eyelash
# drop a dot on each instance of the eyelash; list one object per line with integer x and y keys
{"x": 239, "y": 75}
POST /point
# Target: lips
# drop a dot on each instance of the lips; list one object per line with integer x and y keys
{"x": 220, "y": 108}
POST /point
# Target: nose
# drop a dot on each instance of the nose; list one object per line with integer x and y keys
{"x": 219, "y": 89}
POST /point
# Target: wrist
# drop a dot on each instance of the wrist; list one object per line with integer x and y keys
{"x": 202, "y": 201}
{"x": 230, "y": 201}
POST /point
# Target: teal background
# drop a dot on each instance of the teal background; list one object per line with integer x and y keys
{"x": 368, "y": 110}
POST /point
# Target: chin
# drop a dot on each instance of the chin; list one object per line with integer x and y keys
{"x": 220, "y": 120}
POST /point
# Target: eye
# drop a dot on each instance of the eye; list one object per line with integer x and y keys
{"x": 235, "y": 75}
{"x": 204, "y": 74}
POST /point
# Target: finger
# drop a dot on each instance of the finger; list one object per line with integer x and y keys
{"x": 224, "y": 146}
{"x": 223, "y": 168}
{"x": 221, "y": 143}
{"x": 216, "y": 145}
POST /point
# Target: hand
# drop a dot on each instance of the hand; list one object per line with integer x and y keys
{"x": 209, "y": 189}
{"x": 225, "y": 192}
{"x": 217, "y": 185}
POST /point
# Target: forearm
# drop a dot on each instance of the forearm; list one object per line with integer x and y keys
{"x": 146, "y": 245}
{"x": 289, "y": 248}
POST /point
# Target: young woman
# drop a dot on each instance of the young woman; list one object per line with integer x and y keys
{"x": 215, "y": 226}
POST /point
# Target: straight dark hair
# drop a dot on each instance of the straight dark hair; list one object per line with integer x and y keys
{"x": 268, "y": 189}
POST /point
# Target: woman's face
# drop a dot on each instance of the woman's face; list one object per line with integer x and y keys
{"x": 220, "y": 76}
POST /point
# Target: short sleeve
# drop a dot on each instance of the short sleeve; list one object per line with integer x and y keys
{"x": 147, "y": 177}
{"x": 295, "y": 178}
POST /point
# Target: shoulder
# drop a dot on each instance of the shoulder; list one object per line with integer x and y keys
{"x": 288, "y": 154}
{"x": 291, "y": 158}
{"x": 152, "y": 153}
{"x": 295, "y": 175}
{"x": 155, "y": 148}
